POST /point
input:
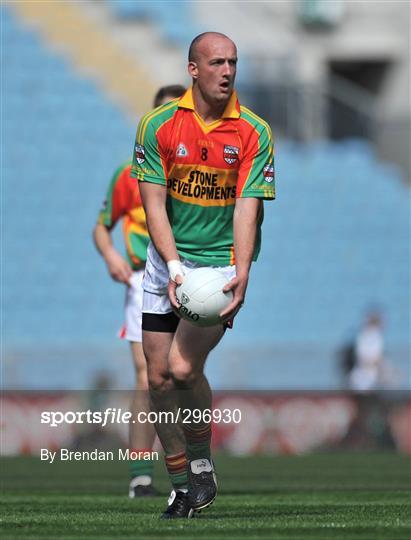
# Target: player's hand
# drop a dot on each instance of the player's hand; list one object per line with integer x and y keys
{"x": 238, "y": 285}
{"x": 118, "y": 268}
{"x": 172, "y": 286}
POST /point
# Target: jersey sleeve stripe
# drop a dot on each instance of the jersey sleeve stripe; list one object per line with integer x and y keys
{"x": 151, "y": 116}
{"x": 161, "y": 158}
{"x": 263, "y": 131}
{"x": 257, "y": 119}
{"x": 241, "y": 188}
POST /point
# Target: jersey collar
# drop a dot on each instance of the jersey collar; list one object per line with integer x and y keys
{"x": 232, "y": 109}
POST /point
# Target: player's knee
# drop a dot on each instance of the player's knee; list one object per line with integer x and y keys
{"x": 182, "y": 372}
{"x": 159, "y": 382}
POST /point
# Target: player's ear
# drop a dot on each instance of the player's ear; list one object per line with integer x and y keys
{"x": 193, "y": 70}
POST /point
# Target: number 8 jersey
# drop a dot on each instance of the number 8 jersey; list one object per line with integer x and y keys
{"x": 205, "y": 168}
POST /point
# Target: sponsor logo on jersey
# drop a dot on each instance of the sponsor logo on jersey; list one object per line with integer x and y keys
{"x": 231, "y": 154}
{"x": 181, "y": 151}
{"x": 140, "y": 153}
{"x": 268, "y": 172}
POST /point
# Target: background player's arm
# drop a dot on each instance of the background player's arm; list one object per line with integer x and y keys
{"x": 159, "y": 228}
{"x": 118, "y": 268}
{"x": 245, "y": 229}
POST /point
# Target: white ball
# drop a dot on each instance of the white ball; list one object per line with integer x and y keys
{"x": 201, "y": 296}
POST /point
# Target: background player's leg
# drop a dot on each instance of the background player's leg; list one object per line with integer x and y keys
{"x": 141, "y": 434}
{"x": 163, "y": 398}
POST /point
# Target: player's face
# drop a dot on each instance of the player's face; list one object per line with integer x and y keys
{"x": 215, "y": 68}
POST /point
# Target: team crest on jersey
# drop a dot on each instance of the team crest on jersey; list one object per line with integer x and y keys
{"x": 181, "y": 151}
{"x": 140, "y": 153}
{"x": 268, "y": 172}
{"x": 184, "y": 298}
{"x": 231, "y": 154}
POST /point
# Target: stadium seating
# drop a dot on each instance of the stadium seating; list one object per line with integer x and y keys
{"x": 173, "y": 18}
{"x": 62, "y": 142}
{"x": 334, "y": 242}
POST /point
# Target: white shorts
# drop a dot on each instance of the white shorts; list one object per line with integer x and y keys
{"x": 133, "y": 306}
{"x": 155, "y": 282}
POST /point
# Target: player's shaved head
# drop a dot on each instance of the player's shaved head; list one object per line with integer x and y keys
{"x": 212, "y": 67}
{"x": 195, "y": 45}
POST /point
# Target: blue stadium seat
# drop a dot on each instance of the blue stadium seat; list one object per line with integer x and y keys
{"x": 128, "y": 9}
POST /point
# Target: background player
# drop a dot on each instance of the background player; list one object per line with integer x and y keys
{"x": 123, "y": 202}
{"x": 204, "y": 165}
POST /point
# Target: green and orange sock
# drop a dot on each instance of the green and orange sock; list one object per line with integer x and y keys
{"x": 177, "y": 470}
{"x": 198, "y": 438}
{"x": 138, "y": 463}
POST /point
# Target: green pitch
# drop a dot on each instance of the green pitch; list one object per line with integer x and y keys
{"x": 317, "y": 497}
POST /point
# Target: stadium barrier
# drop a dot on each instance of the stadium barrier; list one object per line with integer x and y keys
{"x": 247, "y": 422}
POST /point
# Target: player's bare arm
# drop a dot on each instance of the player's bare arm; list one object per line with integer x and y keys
{"x": 154, "y": 201}
{"x": 245, "y": 228}
{"x": 118, "y": 268}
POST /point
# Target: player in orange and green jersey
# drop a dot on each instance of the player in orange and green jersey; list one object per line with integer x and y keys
{"x": 206, "y": 167}
{"x": 123, "y": 202}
